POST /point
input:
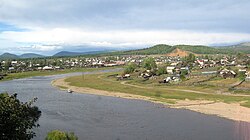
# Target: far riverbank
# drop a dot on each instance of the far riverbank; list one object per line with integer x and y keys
{"x": 231, "y": 111}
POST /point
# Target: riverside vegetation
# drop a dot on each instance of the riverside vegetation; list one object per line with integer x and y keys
{"x": 17, "y": 119}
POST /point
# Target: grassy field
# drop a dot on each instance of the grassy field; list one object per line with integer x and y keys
{"x": 162, "y": 93}
{"x": 12, "y": 76}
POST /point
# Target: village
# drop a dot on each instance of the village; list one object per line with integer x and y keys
{"x": 188, "y": 70}
{"x": 223, "y": 73}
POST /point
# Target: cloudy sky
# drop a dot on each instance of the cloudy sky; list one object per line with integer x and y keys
{"x": 49, "y": 26}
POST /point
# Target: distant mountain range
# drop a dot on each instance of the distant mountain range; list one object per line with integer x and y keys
{"x": 67, "y": 53}
{"x": 157, "y": 49}
{"x": 59, "y": 54}
{"x": 13, "y": 56}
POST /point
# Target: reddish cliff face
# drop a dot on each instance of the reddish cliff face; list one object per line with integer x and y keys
{"x": 179, "y": 52}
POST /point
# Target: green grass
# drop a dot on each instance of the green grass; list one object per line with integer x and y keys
{"x": 12, "y": 76}
{"x": 166, "y": 94}
{"x": 246, "y": 104}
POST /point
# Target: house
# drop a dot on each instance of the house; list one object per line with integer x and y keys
{"x": 174, "y": 64}
{"x": 110, "y": 64}
{"x": 242, "y": 70}
{"x": 209, "y": 72}
{"x": 14, "y": 62}
{"x": 248, "y": 76}
{"x": 170, "y": 79}
{"x": 120, "y": 62}
{"x": 171, "y": 69}
{"x": 47, "y": 68}
{"x": 125, "y": 76}
{"x": 225, "y": 73}
{"x": 201, "y": 62}
{"x": 185, "y": 69}
{"x": 11, "y": 69}
{"x": 145, "y": 75}
{"x": 39, "y": 68}
{"x": 57, "y": 67}
{"x": 241, "y": 66}
{"x": 224, "y": 61}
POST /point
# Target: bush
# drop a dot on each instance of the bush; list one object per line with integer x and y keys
{"x": 16, "y": 118}
{"x": 149, "y": 63}
{"x": 59, "y": 135}
{"x": 130, "y": 68}
{"x": 161, "y": 70}
{"x": 241, "y": 75}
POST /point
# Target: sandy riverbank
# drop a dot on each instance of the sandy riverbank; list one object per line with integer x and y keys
{"x": 231, "y": 111}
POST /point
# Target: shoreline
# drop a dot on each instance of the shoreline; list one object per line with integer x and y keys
{"x": 229, "y": 111}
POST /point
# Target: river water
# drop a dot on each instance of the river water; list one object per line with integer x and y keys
{"x": 94, "y": 117}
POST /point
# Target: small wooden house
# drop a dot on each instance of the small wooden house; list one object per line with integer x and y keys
{"x": 248, "y": 76}
{"x": 171, "y": 69}
{"x": 225, "y": 73}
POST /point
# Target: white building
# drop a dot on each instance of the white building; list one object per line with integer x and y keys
{"x": 170, "y": 69}
{"x": 47, "y": 68}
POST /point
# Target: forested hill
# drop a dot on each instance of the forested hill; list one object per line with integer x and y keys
{"x": 157, "y": 49}
{"x": 164, "y": 49}
{"x": 243, "y": 47}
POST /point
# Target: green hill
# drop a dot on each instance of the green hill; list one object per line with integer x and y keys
{"x": 157, "y": 49}
{"x": 8, "y": 56}
{"x": 164, "y": 49}
{"x": 30, "y": 55}
{"x": 204, "y": 49}
{"x": 243, "y": 47}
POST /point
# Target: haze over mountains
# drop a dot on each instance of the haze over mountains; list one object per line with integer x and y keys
{"x": 157, "y": 49}
{"x": 34, "y": 55}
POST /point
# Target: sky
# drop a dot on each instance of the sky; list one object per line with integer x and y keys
{"x": 49, "y": 26}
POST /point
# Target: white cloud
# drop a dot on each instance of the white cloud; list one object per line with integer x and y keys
{"x": 70, "y": 37}
{"x": 120, "y": 23}
{"x": 45, "y": 47}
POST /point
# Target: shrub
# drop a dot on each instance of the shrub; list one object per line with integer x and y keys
{"x": 161, "y": 70}
{"x": 149, "y": 63}
{"x": 16, "y": 118}
{"x": 59, "y": 135}
{"x": 130, "y": 68}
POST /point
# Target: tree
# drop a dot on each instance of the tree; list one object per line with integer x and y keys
{"x": 130, "y": 68}
{"x": 17, "y": 118}
{"x": 161, "y": 70}
{"x": 59, "y": 135}
{"x": 183, "y": 74}
{"x": 149, "y": 63}
{"x": 190, "y": 58}
{"x": 7, "y": 64}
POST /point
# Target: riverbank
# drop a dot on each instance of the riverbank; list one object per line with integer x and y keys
{"x": 20, "y": 75}
{"x": 233, "y": 111}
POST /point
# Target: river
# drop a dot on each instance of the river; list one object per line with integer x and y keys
{"x": 94, "y": 117}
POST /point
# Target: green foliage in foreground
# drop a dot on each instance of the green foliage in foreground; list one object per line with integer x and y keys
{"x": 16, "y": 118}
{"x": 59, "y": 135}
